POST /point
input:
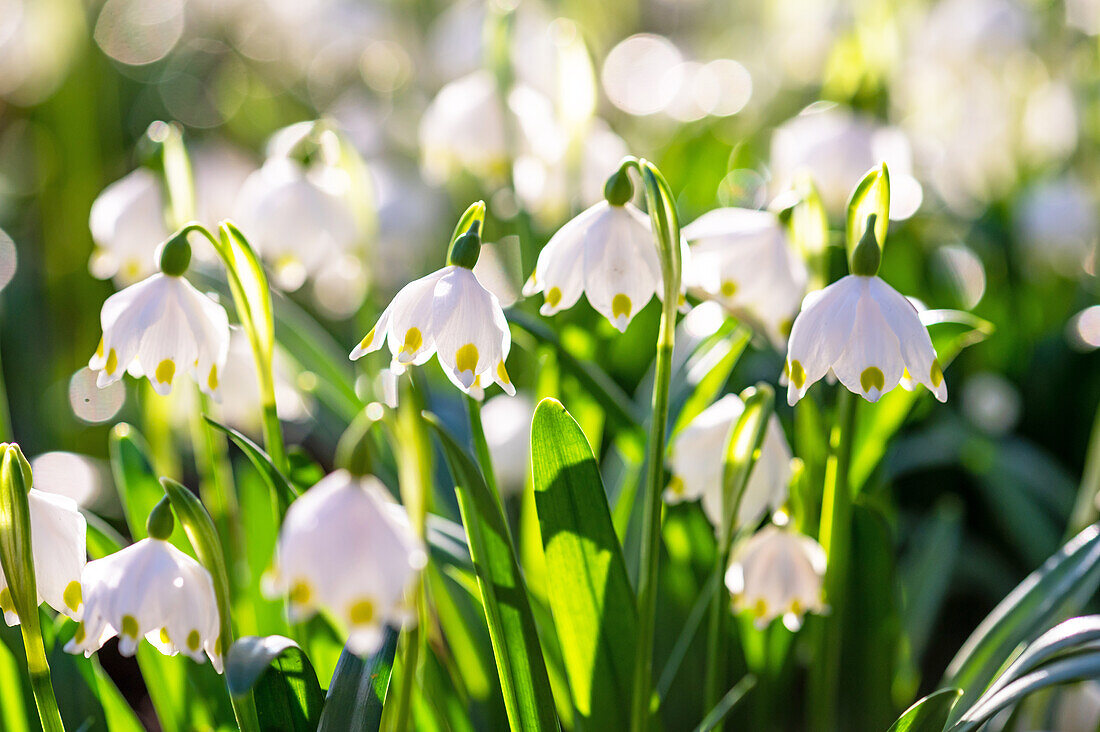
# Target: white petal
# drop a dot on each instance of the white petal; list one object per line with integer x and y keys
{"x": 469, "y": 328}
{"x": 871, "y": 364}
{"x": 559, "y": 273}
{"x": 916, "y": 345}
{"x": 820, "y": 333}
{"x": 410, "y": 327}
{"x": 622, "y": 270}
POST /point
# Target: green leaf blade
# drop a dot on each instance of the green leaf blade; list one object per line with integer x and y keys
{"x": 595, "y": 613}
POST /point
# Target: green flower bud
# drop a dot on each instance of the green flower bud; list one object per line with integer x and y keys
{"x": 161, "y": 522}
{"x": 174, "y": 256}
{"x": 867, "y": 256}
{"x": 618, "y": 189}
{"x": 466, "y": 248}
{"x": 15, "y": 531}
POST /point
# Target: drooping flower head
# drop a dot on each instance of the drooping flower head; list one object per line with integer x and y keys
{"x": 864, "y": 332}
{"x": 346, "y": 546}
{"x": 451, "y": 314}
{"x": 163, "y": 325}
{"x": 777, "y": 572}
{"x": 58, "y": 544}
{"x": 153, "y": 590}
{"x": 742, "y": 258}
{"x": 698, "y": 454}
{"x": 608, "y": 253}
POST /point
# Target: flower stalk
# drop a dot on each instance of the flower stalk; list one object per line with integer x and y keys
{"x": 666, "y": 232}
{"x": 836, "y": 519}
{"x": 18, "y": 565}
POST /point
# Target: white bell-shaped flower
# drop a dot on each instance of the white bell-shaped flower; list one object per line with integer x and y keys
{"x": 298, "y": 219}
{"x": 150, "y": 589}
{"x": 777, "y": 572}
{"x": 451, "y": 314}
{"x": 743, "y": 258}
{"x": 608, "y": 253}
{"x": 127, "y": 222}
{"x": 508, "y": 434}
{"x": 346, "y": 546}
{"x": 58, "y": 531}
{"x": 868, "y": 334}
{"x": 697, "y": 455}
{"x": 158, "y": 327}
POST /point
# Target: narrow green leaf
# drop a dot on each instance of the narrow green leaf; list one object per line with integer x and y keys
{"x": 929, "y": 714}
{"x": 595, "y": 612}
{"x": 139, "y": 488}
{"x": 358, "y": 689}
{"x": 520, "y": 665}
{"x": 1072, "y": 668}
{"x": 871, "y": 196}
{"x": 1059, "y": 587}
{"x": 283, "y": 489}
{"x": 715, "y": 363}
{"x": 728, "y": 701}
{"x": 285, "y": 687}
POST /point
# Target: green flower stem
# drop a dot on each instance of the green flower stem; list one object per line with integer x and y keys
{"x": 481, "y": 446}
{"x": 1085, "y": 510}
{"x": 415, "y": 472}
{"x": 17, "y": 561}
{"x": 836, "y": 519}
{"x": 5, "y": 413}
{"x": 666, "y": 228}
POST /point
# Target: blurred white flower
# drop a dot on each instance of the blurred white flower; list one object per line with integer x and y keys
{"x": 158, "y": 325}
{"x": 297, "y": 219}
{"x": 240, "y": 390}
{"x": 508, "y": 432}
{"x": 149, "y": 589}
{"x": 607, "y": 252}
{"x": 697, "y": 457}
{"x": 837, "y": 147}
{"x": 466, "y": 128}
{"x": 743, "y": 259}
{"x": 347, "y": 547}
{"x": 58, "y": 547}
{"x": 868, "y": 335}
{"x": 777, "y": 572}
{"x": 127, "y": 223}
{"x": 1057, "y": 224}
{"x": 219, "y": 171}
{"x": 450, "y": 313}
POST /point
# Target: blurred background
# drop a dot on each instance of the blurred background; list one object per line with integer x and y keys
{"x": 987, "y": 112}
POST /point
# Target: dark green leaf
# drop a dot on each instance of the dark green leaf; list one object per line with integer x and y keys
{"x": 358, "y": 689}
{"x": 715, "y": 716}
{"x": 929, "y": 714}
{"x": 520, "y": 665}
{"x": 285, "y": 687}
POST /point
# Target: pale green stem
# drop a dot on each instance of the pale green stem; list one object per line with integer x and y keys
{"x": 1085, "y": 511}
{"x": 836, "y": 518}
{"x": 39, "y": 671}
{"x": 5, "y": 414}
{"x": 481, "y": 446}
{"x": 668, "y": 242}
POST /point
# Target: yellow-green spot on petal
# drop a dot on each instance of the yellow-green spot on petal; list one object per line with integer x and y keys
{"x": 361, "y": 612}
{"x": 212, "y": 379}
{"x": 676, "y": 485}
{"x": 7, "y": 604}
{"x": 502, "y": 373}
{"x": 365, "y": 343}
{"x": 99, "y": 349}
{"x": 130, "y": 626}
{"x": 166, "y": 370}
{"x": 300, "y": 593}
{"x": 164, "y": 638}
{"x": 466, "y": 358}
{"x": 760, "y": 608}
{"x": 112, "y": 362}
{"x": 936, "y": 373}
{"x": 218, "y": 646}
{"x": 729, "y": 288}
{"x": 194, "y": 641}
{"x": 796, "y": 607}
{"x": 785, "y": 326}
{"x": 872, "y": 378}
{"x": 553, "y": 297}
{"x": 413, "y": 340}
{"x": 72, "y": 595}
{"x": 796, "y": 374}
{"x": 620, "y": 306}
{"x": 80, "y": 633}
